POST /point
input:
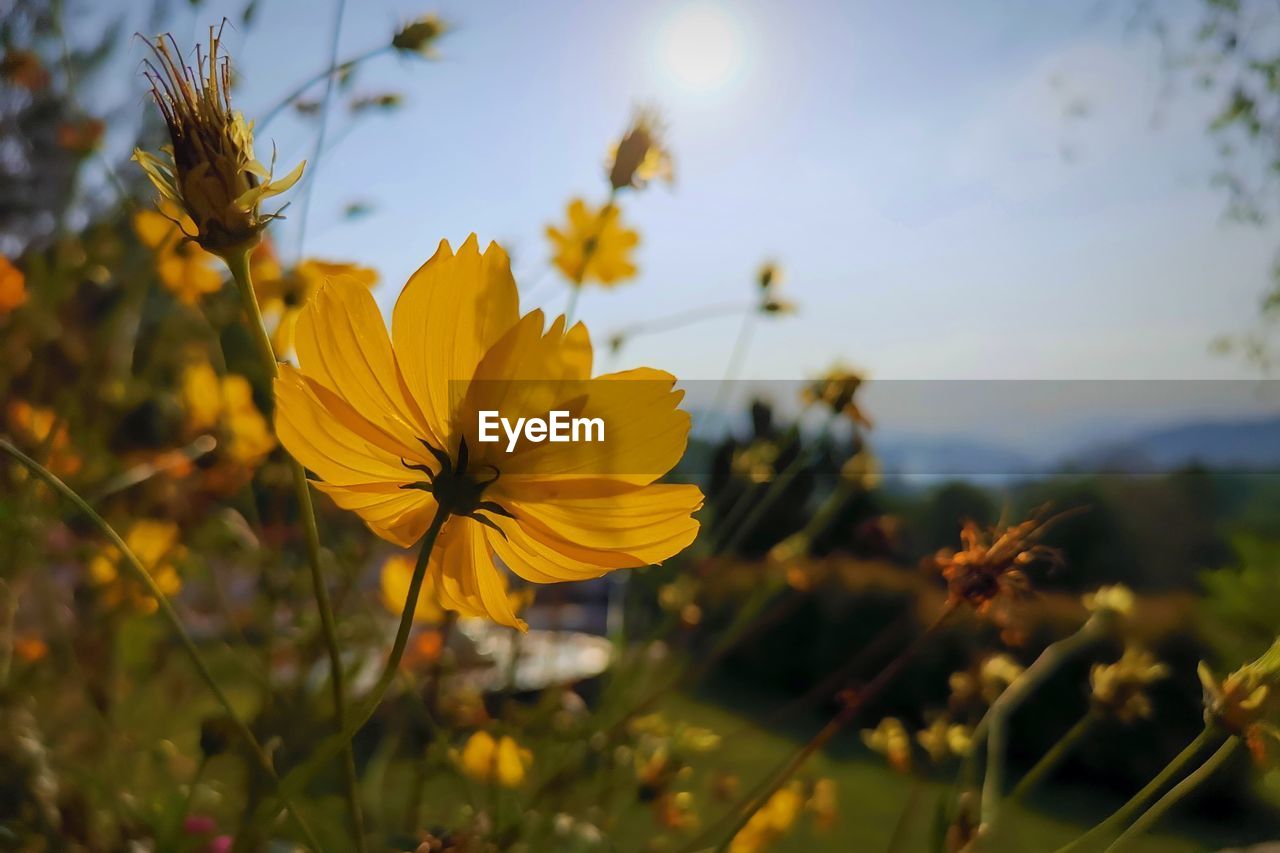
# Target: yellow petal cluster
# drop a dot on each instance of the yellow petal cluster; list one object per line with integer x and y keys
{"x": 211, "y": 401}
{"x": 37, "y": 429}
{"x": 155, "y": 544}
{"x": 774, "y": 819}
{"x": 498, "y": 761}
{"x": 593, "y": 245}
{"x": 186, "y": 270}
{"x": 393, "y": 585}
{"x": 388, "y": 423}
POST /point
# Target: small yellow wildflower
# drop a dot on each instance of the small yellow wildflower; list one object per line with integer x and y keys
{"x": 943, "y": 739}
{"x": 890, "y": 739}
{"x": 1117, "y": 599}
{"x": 155, "y": 544}
{"x": 824, "y": 804}
{"x": 209, "y": 170}
{"x": 389, "y": 425}
{"x": 594, "y": 245}
{"x": 32, "y": 426}
{"x": 186, "y": 270}
{"x": 500, "y": 761}
{"x": 995, "y": 675}
{"x": 211, "y": 401}
{"x": 676, "y": 810}
{"x": 640, "y": 156}
{"x": 774, "y": 819}
{"x": 13, "y": 286}
{"x": 989, "y": 568}
{"x": 201, "y": 396}
{"x": 397, "y": 572}
{"x": 1242, "y": 702}
{"x": 1119, "y": 688}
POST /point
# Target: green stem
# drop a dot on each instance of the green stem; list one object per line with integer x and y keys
{"x": 298, "y": 778}
{"x": 1140, "y": 799}
{"x": 742, "y": 812}
{"x": 1051, "y": 759}
{"x": 995, "y": 722}
{"x": 1169, "y": 800}
{"x": 238, "y": 263}
{"x": 166, "y": 610}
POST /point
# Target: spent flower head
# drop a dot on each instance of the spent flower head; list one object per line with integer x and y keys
{"x": 208, "y": 170}
{"x": 837, "y": 389}
{"x": 641, "y": 155}
{"x": 990, "y": 566}
{"x": 420, "y": 36}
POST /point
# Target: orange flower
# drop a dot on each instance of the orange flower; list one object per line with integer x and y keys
{"x": 13, "y": 286}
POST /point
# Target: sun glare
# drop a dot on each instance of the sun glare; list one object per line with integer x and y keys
{"x": 701, "y": 47}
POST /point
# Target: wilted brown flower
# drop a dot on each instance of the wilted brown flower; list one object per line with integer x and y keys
{"x": 420, "y": 36}
{"x": 991, "y": 564}
{"x": 82, "y": 136}
{"x": 24, "y": 69}
{"x": 1120, "y": 689}
{"x": 640, "y": 156}
{"x": 837, "y": 389}
{"x": 210, "y": 170}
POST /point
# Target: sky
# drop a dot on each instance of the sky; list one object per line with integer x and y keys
{"x": 921, "y": 170}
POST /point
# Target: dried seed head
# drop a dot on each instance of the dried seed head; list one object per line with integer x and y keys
{"x": 419, "y": 36}
{"x": 209, "y": 170}
{"x": 640, "y": 156}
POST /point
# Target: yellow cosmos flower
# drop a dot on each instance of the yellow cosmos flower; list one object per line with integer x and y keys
{"x": 209, "y": 169}
{"x": 500, "y": 761}
{"x": 389, "y": 424}
{"x": 13, "y": 286}
{"x": 282, "y": 295}
{"x": 211, "y": 401}
{"x": 155, "y": 543}
{"x": 890, "y": 739}
{"x": 185, "y": 269}
{"x": 594, "y": 245}
{"x": 397, "y": 571}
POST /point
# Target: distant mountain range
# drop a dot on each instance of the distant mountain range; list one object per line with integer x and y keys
{"x": 1244, "y": 446}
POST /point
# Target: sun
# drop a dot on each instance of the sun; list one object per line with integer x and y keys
{"x": 700, "y": 47}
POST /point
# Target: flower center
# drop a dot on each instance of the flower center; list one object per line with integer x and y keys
{"x": 458, "y": 490}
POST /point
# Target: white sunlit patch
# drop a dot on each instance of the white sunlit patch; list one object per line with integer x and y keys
{"x": 701, "y": 47}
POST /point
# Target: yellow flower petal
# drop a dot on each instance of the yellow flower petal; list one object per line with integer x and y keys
{"x": 452, "y": 310}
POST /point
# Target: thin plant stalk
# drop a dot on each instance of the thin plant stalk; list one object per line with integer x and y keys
{"x": 588, "y": 251}
{"x": 298, "y": 778}
{"x": 325, "y": 104}
{"x": 1054, "y": 757}
{"x": 238, "y": 263}
{"x": 1140, "y": 799}
{"x": 995, "y": 722}
{"x": 1148, "y": 818}
{"x": 170, "y": 615}
{"x": 742, "y": 812}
